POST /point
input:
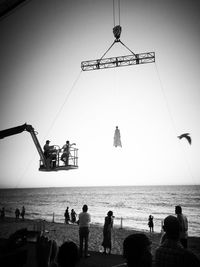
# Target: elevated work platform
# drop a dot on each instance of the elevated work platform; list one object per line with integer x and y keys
{"x": 119, "y": 61}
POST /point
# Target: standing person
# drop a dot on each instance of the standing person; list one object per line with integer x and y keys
{"x": 150, "y": 223}
{"x": 73, "y": 216}
{"x": 171, "y": 253}
{"x": 183, "y": 226}
{"x": 84, "y": 224}
{"x": 67, "y": 218}
{"x": 23, "y": 213}
{"x": 17, "y": 213}
{"x": 66, "y": 152}
{"x": 108, "y": 224}
{"x": 2, "y": 213}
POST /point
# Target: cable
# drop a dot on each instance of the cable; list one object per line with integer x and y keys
{"x": 172, "y": 120}
{"x": 64, "y": 102}
{"x": 53, "y": 122}
{"x": 114, "y": 12}
{"x": 165, "y": 98}
{"x": 119, "y": 10}
{"x": 107, "y": 50}
{"x": 127, "y": 47}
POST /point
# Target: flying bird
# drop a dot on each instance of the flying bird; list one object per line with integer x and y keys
{"x": 187, "y": 136}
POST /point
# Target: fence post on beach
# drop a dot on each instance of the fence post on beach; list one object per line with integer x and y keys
{"x": 53, "y": 218}
{"x": 121, "y": 226}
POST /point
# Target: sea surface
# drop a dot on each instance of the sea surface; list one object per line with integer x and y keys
{"x": 131, "y": 205}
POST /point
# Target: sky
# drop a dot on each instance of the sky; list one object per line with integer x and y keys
{"x": 41, "y": 49}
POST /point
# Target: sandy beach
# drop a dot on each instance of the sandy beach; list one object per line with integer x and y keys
{"x": 62, "y": 232}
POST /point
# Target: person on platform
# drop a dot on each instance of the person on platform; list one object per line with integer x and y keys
{"x": 66, "y": 152}
{"x": 50, "y": 154}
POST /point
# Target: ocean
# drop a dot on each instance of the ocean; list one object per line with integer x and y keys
{"x": 131, "y": 205}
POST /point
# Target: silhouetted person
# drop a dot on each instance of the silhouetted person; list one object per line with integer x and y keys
{"x": 67, "y": 218}
{"x": 68, "y": 255}
{"x": 17, "y": 213}
{"x": 171, "y": 253}
{"x": 150, "y": 223}
{"x": 84, "y": 224}
{"x": 183, "y": 226}
{"x": 108, "y": 224}
{"x": 137, "y": 250}
{"x": 66, "y": 152}
{"x": 2, "y": 213}
{"x": 49, "y": 153}
{"x": 23, "y": 213}
{"x": 73, "y": 216}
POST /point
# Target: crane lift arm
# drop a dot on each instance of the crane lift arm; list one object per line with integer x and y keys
{"x": 29, "y": 128}
{"x": 44, "y": 162}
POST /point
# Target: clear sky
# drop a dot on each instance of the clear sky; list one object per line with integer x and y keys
{"x": 41, "y": 49}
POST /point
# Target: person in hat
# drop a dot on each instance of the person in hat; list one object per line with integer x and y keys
{"x": 108, "y": 225}
{"x": 171, "y": 253}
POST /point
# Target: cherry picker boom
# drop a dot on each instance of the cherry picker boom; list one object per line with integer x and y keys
{"x": 56, "y": 164}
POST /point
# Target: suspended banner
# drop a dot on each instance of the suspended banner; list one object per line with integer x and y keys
{"x": 117, "y": 138}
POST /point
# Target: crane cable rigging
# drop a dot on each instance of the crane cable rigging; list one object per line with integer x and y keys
{"x": 117, "y": 29}
{"x": 190, "y": 173}
{"x": 120, "y": 61}
{"x": 115, "y": 12}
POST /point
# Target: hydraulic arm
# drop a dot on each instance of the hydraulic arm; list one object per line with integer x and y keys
{"x": 20, "y": 129}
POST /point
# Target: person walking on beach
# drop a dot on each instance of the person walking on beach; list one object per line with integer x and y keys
{"x": 171, "y": 253}
{"x": 84, "y": 224}
{"x": 183, "y": 225}
{"x": 23, "y": 213}
{"x": 108, "y": 224}
{"x": 150, "y": 223}
{"x": 67, "y": 218}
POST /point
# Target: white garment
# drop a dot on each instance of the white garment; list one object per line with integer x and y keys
{"x": 117, "y": 138}
{"x": 84, "y": 219}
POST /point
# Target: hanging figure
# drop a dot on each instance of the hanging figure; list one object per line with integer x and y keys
{"x": 117, "y": 138}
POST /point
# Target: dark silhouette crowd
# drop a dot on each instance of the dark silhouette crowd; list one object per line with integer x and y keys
{"x": 172, "y": 251}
